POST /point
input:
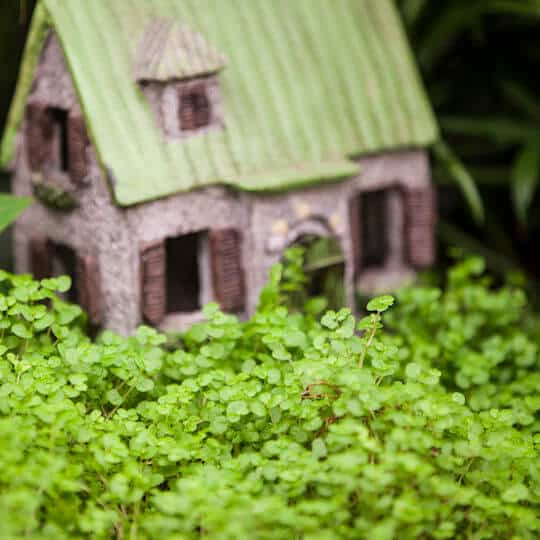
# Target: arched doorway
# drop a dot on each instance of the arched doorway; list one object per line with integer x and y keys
{"x": 324, "y": 269}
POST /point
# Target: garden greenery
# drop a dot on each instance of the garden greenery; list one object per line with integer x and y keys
{"x": 292, "y": 425}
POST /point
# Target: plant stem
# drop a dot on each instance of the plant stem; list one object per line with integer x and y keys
{"x": 372, "y": 332}
{"x": 133, "y": 530}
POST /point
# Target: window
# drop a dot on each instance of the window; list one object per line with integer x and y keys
{"x": 49, "y": 258}
{"x": 47, "y": 137}
{"x": 182, "y": 276}
{"x": 374, "y": 217}
{"x": 379, "y": 228}
{"x": 60, "y": 128}
{"x": 194, "y": 108}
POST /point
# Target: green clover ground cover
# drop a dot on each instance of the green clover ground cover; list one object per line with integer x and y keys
{"x": 288, "y": 426}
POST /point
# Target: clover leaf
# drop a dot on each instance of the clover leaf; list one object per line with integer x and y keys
{"x": 380, "y": 303}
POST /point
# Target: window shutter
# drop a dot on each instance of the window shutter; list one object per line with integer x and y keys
{"x": 194, "y": 107}
{"x": 421, "y": 222}
{"x": 39, "y": 135}
{"x": 187, "y": 111}
{"x": 227, "y": 271}
{"x": 202, "y": 109}
{"x": 89, "y": 287}
{"x": 153, "y": 282}
{"x": 78, "y": 144}
{"x": 354, "y": 224}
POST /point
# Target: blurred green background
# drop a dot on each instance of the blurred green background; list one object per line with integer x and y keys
{"x": 480, "y": 61}
{"x": 14, "y": 20}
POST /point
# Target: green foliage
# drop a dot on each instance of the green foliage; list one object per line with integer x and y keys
{"x": 475, "y": 337}
{"x": 290, "y": 425}
{"x": 525, "y": 177}
{"x": 10, "y": 208}
{"x": 461, "y": 176}
{"x": 476, "y": 58}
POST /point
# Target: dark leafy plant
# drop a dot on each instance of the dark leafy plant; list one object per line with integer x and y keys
{"x": 477, "y": 59}
{"x": 290, "y": 425}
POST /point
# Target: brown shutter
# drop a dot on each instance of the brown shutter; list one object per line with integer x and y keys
{"x": 194, "y": 107}
{"x": 354, "y": 226}
{"x": 78, "y": 145}
{"x": 187, "y": 111}
{"x": 89, "y": 287}
{"x": 202, "y": 108}
{"x": 153, "y": 282}
{"x": 41, "y": 257}
{"x": 421, "y": 222}
{"x": 227, "y": 271}
{"x": 39, "y": 135}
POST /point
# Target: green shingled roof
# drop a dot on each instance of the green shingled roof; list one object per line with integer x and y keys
{"x": 307, "y": 85}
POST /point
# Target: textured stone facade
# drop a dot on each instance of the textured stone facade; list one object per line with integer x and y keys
{"x": 276, "y": 221}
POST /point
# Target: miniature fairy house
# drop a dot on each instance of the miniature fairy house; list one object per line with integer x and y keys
{"x": 177, "y": 147}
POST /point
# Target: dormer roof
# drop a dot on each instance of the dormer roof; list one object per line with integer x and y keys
{"x": 170, "y": 50}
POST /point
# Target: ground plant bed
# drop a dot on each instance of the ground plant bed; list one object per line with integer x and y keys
{"x": 295, "y": 424}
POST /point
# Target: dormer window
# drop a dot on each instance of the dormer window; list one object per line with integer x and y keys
{"x": 194, "y": 108}
{"x": 177, "y": 70}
